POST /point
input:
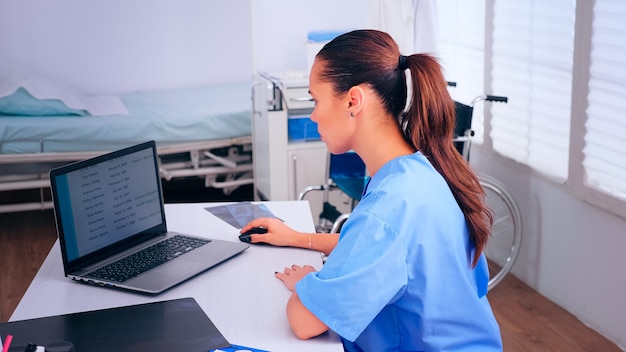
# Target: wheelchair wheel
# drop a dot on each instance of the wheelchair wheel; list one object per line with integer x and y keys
{"x": 506, "y": 233}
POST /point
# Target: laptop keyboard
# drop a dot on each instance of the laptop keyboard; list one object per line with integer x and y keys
{"x": 148, "y": 258}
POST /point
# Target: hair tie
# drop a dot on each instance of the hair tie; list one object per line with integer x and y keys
{"x": 402, "y": 64}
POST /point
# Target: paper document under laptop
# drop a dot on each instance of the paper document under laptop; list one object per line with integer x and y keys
{"x": 110, "y": 207}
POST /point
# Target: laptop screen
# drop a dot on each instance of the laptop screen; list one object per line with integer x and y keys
{"x": 105, "y": 200}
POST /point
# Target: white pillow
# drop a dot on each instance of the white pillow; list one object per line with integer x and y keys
{"x": 47, "y": 92}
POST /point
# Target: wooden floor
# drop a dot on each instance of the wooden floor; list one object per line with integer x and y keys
{"x": 528, "y": 321}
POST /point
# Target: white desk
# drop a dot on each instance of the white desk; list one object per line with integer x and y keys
{"x": 241, "y": 296}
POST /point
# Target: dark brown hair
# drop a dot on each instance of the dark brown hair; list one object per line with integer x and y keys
{"x": 372, "y": 57}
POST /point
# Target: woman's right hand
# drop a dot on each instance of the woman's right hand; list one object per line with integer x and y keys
{"x": 278, "y": 234}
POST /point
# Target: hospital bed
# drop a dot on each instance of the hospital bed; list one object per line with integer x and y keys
{"x": 201, "y": 131}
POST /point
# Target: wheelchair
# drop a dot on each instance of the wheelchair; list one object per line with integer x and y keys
{"x": 346, "y": 173}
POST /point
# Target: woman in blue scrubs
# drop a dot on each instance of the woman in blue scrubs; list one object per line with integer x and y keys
{"x": 407, "y": 272}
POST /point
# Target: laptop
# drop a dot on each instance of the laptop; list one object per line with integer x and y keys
{"x": 111, "y": 224}
{"x": 166, "y": 326}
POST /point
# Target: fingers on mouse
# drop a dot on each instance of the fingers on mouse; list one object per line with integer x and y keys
{"x": 247, "y": 235}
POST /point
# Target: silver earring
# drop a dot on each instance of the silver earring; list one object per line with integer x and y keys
{"x": 351, "y": 114}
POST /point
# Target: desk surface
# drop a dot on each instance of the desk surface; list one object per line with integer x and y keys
{"x": 241, "y": 296}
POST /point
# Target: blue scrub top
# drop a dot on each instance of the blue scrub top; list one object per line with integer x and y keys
{"x": 400, "y": 278}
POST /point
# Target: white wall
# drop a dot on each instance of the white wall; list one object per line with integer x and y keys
{"x": 280, "y": 28}
{"x": 573, "y": 252}
{"x": 117, "y": 46}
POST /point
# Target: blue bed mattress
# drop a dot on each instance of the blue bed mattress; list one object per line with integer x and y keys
{"x": 193, "y": 114}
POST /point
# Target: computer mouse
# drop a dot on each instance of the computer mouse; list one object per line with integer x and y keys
{"x": 245, "y": 236}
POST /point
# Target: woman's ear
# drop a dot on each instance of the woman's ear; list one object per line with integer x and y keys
{"x": 355, "y": 100}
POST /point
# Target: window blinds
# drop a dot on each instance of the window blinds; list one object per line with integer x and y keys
{"x": 605, "y": 137}
{"x": 532, "y": 59}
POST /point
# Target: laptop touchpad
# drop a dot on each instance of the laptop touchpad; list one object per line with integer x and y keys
{"x": 181, "y": 268}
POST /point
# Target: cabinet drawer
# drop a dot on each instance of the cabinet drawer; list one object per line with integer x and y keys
{"x": 298, "y": 98}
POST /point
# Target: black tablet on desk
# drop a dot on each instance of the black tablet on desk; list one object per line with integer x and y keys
{"x": 165, "y": 326}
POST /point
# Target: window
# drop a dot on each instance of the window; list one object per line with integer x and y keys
{"x": 532, "y": 59}
{"x": 605, "y": 138}
{"x": 598, "y": 148}
{"x": 562, "y": 63}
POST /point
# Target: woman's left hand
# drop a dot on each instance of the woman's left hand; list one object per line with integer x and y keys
{"x": 290, "y": 276}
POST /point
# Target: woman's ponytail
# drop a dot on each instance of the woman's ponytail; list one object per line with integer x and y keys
{"x": 429, "y": 126}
